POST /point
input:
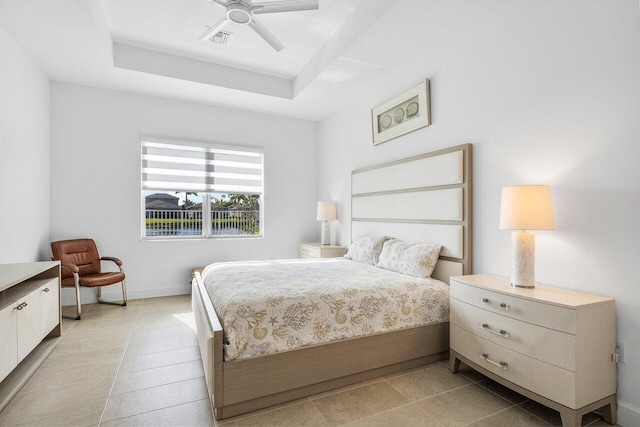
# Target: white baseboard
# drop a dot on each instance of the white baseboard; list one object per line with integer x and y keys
{"x": 628, "y": 414}
{"x": 89, "y": 296}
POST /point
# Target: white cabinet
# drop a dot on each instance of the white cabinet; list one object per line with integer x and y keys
{"x": 8, "y": 340}
{"x": 29, "y": 323}
{"x": 29, "y": 313}
{"x": 551, "y": 344}
{"x": 49, "y": 303}
{"x": 38, "y": 312}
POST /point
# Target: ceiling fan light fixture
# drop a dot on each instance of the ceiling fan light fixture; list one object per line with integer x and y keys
{"x": 239, "y": 13}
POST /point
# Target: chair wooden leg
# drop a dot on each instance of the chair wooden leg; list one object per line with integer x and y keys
{"x": 78, "y": 304}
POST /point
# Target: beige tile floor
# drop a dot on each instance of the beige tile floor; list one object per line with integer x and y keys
{"x": 140, "y": 365}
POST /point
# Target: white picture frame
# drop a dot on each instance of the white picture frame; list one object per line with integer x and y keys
{"x": 409, "y": 111}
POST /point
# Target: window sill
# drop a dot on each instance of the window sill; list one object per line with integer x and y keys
{"x": 183, "y": 238}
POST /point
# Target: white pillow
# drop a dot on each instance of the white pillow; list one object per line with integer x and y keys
{"x": 413, "y": 259}
{"x": 366, "y": 249}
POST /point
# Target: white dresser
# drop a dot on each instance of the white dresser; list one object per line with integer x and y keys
{"x": 29, "y": 321}
{"x": 318, "y": 250}
{"x": 552, "y": 345}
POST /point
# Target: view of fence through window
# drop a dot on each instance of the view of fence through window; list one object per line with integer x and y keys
{"x": 197, "y": 189}
{"x": 175, "y": 214}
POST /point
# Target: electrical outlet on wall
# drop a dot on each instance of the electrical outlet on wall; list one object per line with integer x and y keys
{"x": 620, "y": 352}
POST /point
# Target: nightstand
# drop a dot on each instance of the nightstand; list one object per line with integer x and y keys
{"x": 552, "y": 345}
{"x": 317, "y": 250}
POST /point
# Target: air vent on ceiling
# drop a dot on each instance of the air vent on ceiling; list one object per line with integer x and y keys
{"x": 221, "y": 37}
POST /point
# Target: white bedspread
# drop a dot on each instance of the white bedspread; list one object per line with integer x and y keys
{"x": 271, "y": 306}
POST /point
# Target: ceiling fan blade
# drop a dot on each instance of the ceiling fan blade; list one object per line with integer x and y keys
{"x": 214, "y": 29}
{"x": 266, "y": 34}
{"x": 220, "y": 2}
{"x": 285, "y": 6}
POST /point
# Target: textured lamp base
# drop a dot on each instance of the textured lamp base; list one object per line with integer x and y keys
{"x": 326, "y": 233}
{"x": 523, "y": 261}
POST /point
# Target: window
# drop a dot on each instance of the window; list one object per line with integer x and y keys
{"x": 192, "y": 190}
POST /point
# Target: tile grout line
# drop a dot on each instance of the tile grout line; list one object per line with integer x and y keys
{"x": 184, "y": 339}
{"x": 160, "y": 385}
{"x": 262, "y": 411}
{"x": 159, "y": 409}
{"x": 593, "y": 422}
{"x": 401, "y": 393}
{"x": 319, "y": 411}
{"x": 490, "y": 415}
{"x": 518, "y": 405}
{"x": 428, "y": 397}
{"x": 471, "y": 379}
{"x": 73, "y": 320}
{"x": 382, "y": 412}
{"x": 409, "y": 373}
{"x": 531, "y": 413}
{"x": 479, "y": 383}
{"x": 162, "y": 366}
{"x": 119, "y": 366}
{"x": 348, "y": 388}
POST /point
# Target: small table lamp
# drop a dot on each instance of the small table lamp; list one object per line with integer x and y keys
{"x": 326, "y": 213}
{"x": 525, "y": 207}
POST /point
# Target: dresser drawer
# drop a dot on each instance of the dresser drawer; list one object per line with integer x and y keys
{"x": 554, "y": 383}
{"x": 547, "y": 345}
{"x": 310, "y": 252}
{"x": 538, "y": 313}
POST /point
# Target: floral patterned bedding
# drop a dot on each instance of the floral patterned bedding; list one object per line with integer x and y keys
{"x": 270, "y": 306}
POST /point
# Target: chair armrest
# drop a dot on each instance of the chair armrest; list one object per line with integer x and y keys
{"x": 74, "y": 268}
{"x": 108, "y": 258}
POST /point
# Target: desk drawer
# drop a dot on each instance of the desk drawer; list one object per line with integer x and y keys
{"x": 547, "y": 345}
{"x": 537, "y": 313}
{"x": 554, "y": 383}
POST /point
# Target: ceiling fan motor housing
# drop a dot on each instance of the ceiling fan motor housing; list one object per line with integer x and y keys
{"x": 239, "y": 12}
{"x": 242, "y": 12}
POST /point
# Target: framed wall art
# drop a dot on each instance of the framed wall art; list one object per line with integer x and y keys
{"x": 402, "y": 114}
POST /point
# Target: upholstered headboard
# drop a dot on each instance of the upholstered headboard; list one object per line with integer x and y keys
{"x": 425, "y": 198}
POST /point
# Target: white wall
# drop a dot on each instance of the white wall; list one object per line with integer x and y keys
{"x": 24, "y": 156}
{"x": 95, "y": 181}
{"x": 548, "y": 92}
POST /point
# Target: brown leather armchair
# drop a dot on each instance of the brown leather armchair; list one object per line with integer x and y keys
{"x": 81, "y": 267}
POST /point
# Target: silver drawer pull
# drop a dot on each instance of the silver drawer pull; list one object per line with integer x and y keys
{"x": 501, "y": 305}
{"x": 500, "y": 364}
{"x": 21, "y": 306}
{"x": 45, "y": 290}
{"x": 501, "y": 332}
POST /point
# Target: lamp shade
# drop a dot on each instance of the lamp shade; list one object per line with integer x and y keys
{"x": 527, "y": 207}
{"x": 326, "y": 211}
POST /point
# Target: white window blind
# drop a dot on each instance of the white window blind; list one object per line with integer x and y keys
{"x": 206, "y": 169}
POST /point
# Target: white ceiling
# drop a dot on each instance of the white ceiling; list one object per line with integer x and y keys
{"x": 151, "y": 47}
{"x": 174, "y": 26}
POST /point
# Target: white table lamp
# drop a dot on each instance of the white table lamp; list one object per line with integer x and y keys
{"x": 525, "y": 207}
{"x": 326, "y": 213}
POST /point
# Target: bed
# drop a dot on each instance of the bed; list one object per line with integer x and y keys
{"x": 425, "y": 198}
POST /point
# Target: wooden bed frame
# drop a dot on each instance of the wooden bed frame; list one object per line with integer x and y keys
{"x": 245, "y": 385}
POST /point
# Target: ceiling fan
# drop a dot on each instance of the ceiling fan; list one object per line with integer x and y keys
{"x": 242, "y": 12}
